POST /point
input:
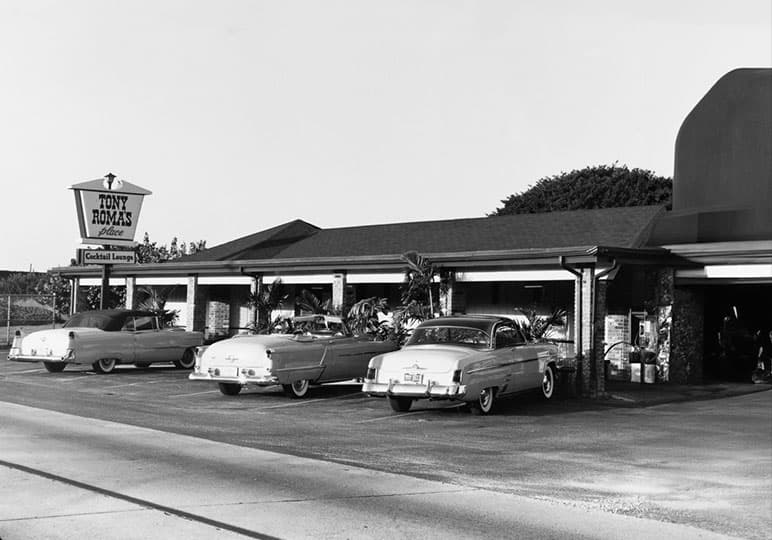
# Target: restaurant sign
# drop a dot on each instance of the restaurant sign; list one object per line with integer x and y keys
{"x": 108, "y": 210}
{"x": 101, "y": 256}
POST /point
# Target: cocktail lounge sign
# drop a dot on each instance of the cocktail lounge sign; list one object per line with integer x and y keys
{"x": 108, "y": 210}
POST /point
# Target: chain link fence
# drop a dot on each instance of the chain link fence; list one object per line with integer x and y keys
{"x": 28, "y": 313}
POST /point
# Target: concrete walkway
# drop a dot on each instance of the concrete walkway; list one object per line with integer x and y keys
{"x": 628, "y": 394}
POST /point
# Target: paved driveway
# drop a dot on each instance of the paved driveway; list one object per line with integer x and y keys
{"x": 705, "y": 463}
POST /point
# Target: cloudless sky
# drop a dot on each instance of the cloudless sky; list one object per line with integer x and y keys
{"x": 240, "y": 115}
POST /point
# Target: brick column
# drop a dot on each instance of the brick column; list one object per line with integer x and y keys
{"x": 338, "y": 291}
{"x": 687, "y": 336}
{"x": 583, "y": 325}
{"x": 600, "y": 310}
{"x": 131, "y": 285}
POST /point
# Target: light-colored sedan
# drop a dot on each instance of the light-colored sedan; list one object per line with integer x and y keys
{"x": 106, "y": 338}
{"x": 475, "y": 359}
{"x": 321, "y": 350}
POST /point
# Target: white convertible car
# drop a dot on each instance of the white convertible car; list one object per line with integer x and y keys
{"x": 105, "y": 338}
{"x": 475, "y": 359}
{"x": 321, "y": 350}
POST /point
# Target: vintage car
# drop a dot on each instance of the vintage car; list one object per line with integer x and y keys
{"x": 474, "y": 359}
{"x": 106, "y": 338}
{"x": 320, "y": 350}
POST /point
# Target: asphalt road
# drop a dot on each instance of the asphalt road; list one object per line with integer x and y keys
{"x": 704, "y": 465}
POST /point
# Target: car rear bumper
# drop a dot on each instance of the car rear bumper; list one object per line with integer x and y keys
{"x": 48, "y": 359}
{"x": 417, "y": 391}
{"x": 242, "y": 379}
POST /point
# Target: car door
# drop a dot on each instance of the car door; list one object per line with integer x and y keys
{"x": 151, "y": 345}
{"x": 516, "y": 357}
{"x": 347, "y": 358}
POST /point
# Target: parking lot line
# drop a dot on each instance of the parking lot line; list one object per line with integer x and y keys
{"x": 38, "y": 370}
{"x": 77, "y": 378}
{"x": 195, "y": 393}
{"x": 304, "y": 402}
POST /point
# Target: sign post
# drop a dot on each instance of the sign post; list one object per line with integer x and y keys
{"x": 108, "y": 211}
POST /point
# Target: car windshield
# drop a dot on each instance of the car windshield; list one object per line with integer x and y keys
{"x": 450, "y": 335}
{"x": 109, "y": 323}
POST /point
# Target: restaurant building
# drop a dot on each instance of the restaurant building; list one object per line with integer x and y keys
{"x": 674, "y": 283}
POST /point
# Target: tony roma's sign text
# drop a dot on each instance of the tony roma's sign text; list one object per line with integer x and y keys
{"x": 94, "y": 256}
{"x": 108, "y": 210}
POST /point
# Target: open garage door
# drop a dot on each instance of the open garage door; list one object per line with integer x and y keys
{"x": 733, "y": 315}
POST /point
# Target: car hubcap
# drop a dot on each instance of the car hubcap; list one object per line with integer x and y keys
{"x": 300, "y": 387}
{"x": 485, "y": 399}
{"x": 547, "y": 383}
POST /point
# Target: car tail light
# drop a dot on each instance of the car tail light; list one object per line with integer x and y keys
{"x": 370, "y": 374}
{"x": 16, "y": 345}
{"x": 457, "y": 376}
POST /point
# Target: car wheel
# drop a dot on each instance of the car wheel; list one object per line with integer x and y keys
{"x": 484, "y": 403}
{"x": 105, "y": 365}
{"x": 187, "y": 361}
{"x": 229, "y": 389}
{"x": 297, "y": 389}
{"x": 400, "y": 404}
{"x": 548, "y": 382}
{"x": 54, "y": 367}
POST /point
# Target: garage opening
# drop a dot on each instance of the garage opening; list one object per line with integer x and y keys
{"x": 737, "y": 320}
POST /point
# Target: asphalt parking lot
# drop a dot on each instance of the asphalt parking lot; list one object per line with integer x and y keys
{"x": 632, "y": 461}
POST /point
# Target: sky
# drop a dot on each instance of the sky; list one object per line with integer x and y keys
{"x": 240, "y": 115}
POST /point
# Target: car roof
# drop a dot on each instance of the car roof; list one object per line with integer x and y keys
{"x": 481, "y": 322}
{"x": 117, "y": 312}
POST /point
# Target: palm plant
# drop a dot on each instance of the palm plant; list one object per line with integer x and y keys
{"x": 154, "y": 299}
{"x": 537, "y": 326}
{"x": 310, "y": 303}
{"x": 419, "y": 277}
{"x": 264, "y": 302}
{"x": 362, "y": 317}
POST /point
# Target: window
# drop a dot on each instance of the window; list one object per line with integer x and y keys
{"x": 128, "y": 326}
{"x": 145, "y": 322}
{"x": 450, "y": 335}
{"x": 508, "y": 336}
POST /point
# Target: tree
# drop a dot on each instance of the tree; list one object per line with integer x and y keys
{"x": 602, "y": 186}
{"x": 151, "y": 252}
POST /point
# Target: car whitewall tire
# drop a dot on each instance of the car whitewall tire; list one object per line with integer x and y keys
{"x": 484, "y": 403}
{"x": 297, "y": 389}
{"x": 104, "y": 365}
{"x": 548, "y": 382}
{"x": 188, "y": 359}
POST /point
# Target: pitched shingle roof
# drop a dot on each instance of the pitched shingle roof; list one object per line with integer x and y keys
{"x": 611, "y": 227}
{"x": 261, "y": 245}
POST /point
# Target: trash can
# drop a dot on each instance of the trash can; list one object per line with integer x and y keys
{"x": 645, "y": 361}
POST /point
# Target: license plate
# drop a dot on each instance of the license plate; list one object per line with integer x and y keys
{"x": 228, "y": 372}
{"x": 415, "y": 378}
